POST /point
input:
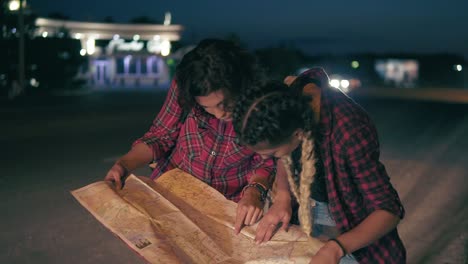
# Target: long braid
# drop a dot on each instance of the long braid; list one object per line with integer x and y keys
{"x": 306, "y": 179}
{"x": 287, "y": 162}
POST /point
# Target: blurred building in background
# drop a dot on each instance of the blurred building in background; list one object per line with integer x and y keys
{"x": 398, "y": 72}
{"x": 41, "y": 54}
{"x": 119, "y": 55}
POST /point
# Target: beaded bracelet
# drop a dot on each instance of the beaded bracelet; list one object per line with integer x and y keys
{"x": 260, "y": 187}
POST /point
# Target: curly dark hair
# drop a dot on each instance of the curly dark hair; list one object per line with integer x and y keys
{"x": 272, "y": 113}
{"x": 214, "y": 65}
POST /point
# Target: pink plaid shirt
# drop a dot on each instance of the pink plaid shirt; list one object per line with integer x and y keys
{"x": 357, "y": 182}
{"x": 203, "y": 146}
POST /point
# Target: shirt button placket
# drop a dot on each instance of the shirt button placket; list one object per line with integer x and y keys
{"x": 215, "y": 149}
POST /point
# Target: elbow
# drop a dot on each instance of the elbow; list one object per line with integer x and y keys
{"x": 393, "y": 219}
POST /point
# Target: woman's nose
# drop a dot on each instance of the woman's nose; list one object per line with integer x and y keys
{"x": 218, "y": 113}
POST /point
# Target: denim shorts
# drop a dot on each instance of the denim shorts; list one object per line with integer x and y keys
{"x": 324, "y": 227}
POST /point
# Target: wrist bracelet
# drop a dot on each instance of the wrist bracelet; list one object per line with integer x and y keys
{"x": 339, "y": 244}
{"x": 260, "y": 187}
{"x": 125, "y": 170}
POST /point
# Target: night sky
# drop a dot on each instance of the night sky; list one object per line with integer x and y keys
{"x": 314, "y": 26}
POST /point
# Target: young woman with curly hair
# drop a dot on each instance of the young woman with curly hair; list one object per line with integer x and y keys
{"x": 193, "y": 130}
{"x": 330, "y": 155}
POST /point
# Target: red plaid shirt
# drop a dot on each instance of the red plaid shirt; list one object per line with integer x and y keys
{"x": 203, "y": 146}
{"x": 357, "y": 183}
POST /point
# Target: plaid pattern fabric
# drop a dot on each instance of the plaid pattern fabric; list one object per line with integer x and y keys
{"x": 203, "y": 146}
{"x": 357, "y": 183}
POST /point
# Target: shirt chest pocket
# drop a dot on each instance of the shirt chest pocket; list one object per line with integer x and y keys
{"x": 192, "y": 143}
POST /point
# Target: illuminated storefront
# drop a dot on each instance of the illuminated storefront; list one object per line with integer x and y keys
{"x": 119, "y": 55}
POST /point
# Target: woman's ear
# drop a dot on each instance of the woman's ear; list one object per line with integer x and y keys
{"x": 311, "y": 89}
{"x": 289, "y": 79}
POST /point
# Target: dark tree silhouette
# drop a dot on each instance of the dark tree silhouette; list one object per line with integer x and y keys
{"x": 58, "y": 15}
{"x": 108, "y": 19}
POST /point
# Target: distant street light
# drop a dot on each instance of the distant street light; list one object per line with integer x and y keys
{"x": 18, "y": 5}
{"x": 14, "y": 5}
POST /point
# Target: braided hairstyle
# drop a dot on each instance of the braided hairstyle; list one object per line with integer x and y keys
{"x": 214, "y": 65}
{"x": 272, "y": 114}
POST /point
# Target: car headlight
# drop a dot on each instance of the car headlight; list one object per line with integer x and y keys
{"x": 344, "y": 84}
{"x": 335, "y": 83}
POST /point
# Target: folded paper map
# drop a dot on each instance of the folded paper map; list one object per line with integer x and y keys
{"x": 180, "y": 219}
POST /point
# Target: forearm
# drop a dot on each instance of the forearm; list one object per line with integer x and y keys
{"x": 282, "y": 191}
{"x": 140, "y": 155}
{"x": 262, "y": 174}
{"x": 376, "y": 225}
{"x": 280, "y": 210}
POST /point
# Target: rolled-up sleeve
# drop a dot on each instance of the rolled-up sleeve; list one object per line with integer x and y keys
{"x": 264, "y": 168}
{"x": 361, "y": 152}
{"x": 163, "y": 133}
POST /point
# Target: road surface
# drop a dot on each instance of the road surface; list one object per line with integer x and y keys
{"x": 52, "y": 145}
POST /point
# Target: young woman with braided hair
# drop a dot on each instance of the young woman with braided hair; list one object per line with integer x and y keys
{"x": 330, "y": 156}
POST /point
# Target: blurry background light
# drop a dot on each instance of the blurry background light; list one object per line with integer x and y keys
{"x": 33, "y": 82}
{"x": 355, "y": 64}
{"x": 335, "y": 83}
{"x": 90, "y": 46}
{"x": 344, "y": 84}
{"x": 165, "y": 47}
{"x": 167, "y": 18}
{"x": 14, "y": 5}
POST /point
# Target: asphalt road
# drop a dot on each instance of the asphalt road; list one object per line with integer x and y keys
{"x": 52, "y": 145}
